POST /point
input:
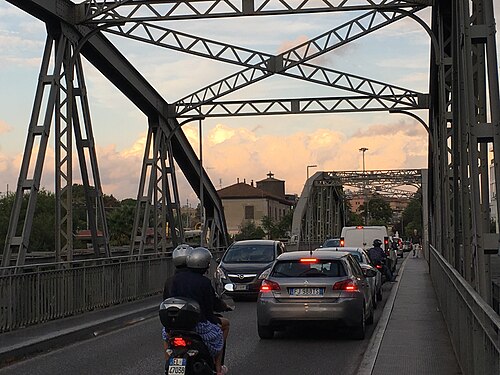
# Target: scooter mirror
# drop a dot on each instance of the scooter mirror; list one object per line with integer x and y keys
{"x": 229, "y": 287}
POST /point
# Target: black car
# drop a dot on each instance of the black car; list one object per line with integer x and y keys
{"x": 245, "y": 264}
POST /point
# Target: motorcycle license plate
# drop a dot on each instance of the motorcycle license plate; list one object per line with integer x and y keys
{"x": 177, "y": 366}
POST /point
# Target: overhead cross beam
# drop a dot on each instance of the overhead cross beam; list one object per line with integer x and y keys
{"x": 95, "y": 11}
{"x": 291, "y": 63}
{"x": 296, "y": 106}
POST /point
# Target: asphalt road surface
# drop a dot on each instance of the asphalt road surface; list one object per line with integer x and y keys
{"x": 137, "y": 349}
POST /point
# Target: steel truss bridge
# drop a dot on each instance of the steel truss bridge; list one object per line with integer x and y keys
{"x": 320, "y": 212}
{"x": 463, "y": 104}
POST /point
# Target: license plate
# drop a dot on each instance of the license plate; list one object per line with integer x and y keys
{"x": 240, "y": 287}
{"x": 177, "y": 366}
{"x": 306, "y": 291}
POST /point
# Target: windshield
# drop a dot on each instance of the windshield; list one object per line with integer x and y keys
{"x": 249, "y": 254}
{"x": 334, "y": 242}
{"x": 321, "y": 268}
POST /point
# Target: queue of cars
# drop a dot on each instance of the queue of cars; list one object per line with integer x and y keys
{"x": 333, "y": 283}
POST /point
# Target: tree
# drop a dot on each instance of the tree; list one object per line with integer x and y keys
{"x": 412, "y": 216}
{"x": 249, "y": 231}
{"x": 277, "y": 229}
{"x": 380, "y": 212}
{"x": 120, "y": 222}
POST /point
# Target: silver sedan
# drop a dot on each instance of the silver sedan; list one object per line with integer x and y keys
{"x": 315, "y": 286}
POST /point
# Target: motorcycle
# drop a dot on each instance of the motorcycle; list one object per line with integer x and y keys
{"x": 186, "y": 351}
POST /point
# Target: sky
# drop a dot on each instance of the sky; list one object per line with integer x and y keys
{"x": 244, "y": 148}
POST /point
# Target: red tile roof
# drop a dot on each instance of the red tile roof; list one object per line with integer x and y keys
{"x": 243, "y": 190}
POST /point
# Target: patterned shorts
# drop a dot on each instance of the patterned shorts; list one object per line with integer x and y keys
{"x": 210, "y": 333}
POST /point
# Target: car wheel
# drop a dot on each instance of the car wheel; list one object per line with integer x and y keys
{"x": 369, "y": 320}
{"x": 265, "y": 332}
{"x": 358, "y": 332}
{"x": 379, "y": 295}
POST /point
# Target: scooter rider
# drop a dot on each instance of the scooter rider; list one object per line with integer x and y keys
{"x": 378, "y": 256}
{"x": 212, "y": 329}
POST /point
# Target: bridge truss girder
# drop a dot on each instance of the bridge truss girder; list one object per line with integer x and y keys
{"x": 464, "y": 119}
{"x": 98, "y": 11}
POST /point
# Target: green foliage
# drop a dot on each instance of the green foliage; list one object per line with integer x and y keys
{"x": 412, "y": 216}
{"x": 249, "y": 231}
{"x": 120, "y": 223}
{"x": 277, "y": 229}
{"x": 379, "y": 211}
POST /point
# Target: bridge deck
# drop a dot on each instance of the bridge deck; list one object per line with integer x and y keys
{"x": 411, "y": 336}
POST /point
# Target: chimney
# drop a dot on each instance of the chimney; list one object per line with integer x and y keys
{"x": 244, "y": 180}
{"x": 251, "y": 183}
{"x": 238, "y": 180}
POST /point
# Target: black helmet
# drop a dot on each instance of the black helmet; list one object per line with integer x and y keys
{"x": 199, "y": 258}
{"x": 377, "y": 243}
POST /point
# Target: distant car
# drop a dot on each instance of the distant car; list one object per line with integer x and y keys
{"x": 326, "y": 286}
{"x": 244, "y": 263}
{"x": 332, "y": 242}
{"x": 364, "y": 261}
{"x": 407, "y": 246}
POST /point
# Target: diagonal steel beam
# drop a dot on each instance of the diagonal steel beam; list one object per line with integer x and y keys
{"x": 165, "y": 37}
{"x": 341, "y": 104}
{"x": 94, "y": 11}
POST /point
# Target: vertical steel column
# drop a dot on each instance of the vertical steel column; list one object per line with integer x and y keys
{"x": 85, "y": 145}
{"x": 17, "y": 242}
{"x": 64, "y": 160}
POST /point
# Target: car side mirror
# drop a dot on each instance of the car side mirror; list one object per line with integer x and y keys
{"x": 370, "y": 273}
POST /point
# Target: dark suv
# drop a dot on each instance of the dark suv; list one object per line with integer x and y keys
{"x": 245, "y": 264}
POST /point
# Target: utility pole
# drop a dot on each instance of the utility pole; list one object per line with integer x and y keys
{"x": 363, "y": 150}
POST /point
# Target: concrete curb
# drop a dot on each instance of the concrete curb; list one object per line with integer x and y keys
{"x": 58, "y": 339}
{"x": 371, "y": 353}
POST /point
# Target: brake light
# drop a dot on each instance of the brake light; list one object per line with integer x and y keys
{"x": 180, "y": 342}
{"x": 359, "y": 227}
{"x": 378, "y": 266}
{"x": 308, "y": 260}
{"x": 347, "y": 285}
{"x": 342, "y": 242}
{"x": 268, "y": 285}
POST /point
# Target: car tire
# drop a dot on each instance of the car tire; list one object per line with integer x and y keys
{"x": 358, "y": 332}
{"x": 369, "y": 320}
{"x": 265, "y": 332}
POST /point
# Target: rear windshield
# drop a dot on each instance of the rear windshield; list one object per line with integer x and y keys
{"x": 334, "y": 242}
{"x": 296, "y": 268}
{"x": 357, "y": 256}
{"x": 249, "y": 254}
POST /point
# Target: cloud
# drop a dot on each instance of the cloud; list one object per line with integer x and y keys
{"x": 231, "y": 153}
{"x": 4, "y": 127}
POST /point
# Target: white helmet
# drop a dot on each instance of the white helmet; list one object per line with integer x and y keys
{"x": 180, "y": 254}
{"x": 199, "y": 258}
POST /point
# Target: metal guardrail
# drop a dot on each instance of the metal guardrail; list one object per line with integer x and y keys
{"x": 52, "y": 291}
{"x": 472, "y": 324}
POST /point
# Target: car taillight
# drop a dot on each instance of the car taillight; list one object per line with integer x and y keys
{"x": 347, "y": 285}
{"x": 342, "y": 242}
{"x": 379, "y": 267}
{"x": 308, "y": 260}
{"x": 268, "y": 285}
{"x": 179, "y": 342}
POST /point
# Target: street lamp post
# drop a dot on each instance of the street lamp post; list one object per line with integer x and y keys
{"x": 310, "y": 166}
{"x": 363, "y": 150}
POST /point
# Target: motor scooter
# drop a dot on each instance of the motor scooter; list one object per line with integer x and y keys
{"x": 186, "y": 351}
